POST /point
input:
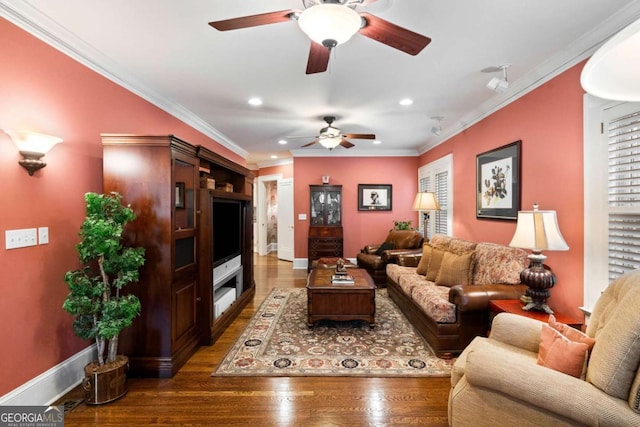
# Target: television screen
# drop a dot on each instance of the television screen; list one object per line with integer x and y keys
{"x": 227, "y": 230}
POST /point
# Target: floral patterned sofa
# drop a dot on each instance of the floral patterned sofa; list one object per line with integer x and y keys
{"x": 445, "y": 291}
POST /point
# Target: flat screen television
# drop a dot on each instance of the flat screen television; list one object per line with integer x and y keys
{"x": 226, "y": 230}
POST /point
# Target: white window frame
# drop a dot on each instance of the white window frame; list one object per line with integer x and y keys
{"x": 596, "y": 204}
{"x": 443, "y": 164}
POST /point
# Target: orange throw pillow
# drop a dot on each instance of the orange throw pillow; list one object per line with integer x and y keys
{"x": 560, "y": 353}
{"x": 571, "y": 333}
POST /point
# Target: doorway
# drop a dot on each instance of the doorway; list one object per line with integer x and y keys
{"x": 274, "y": 216}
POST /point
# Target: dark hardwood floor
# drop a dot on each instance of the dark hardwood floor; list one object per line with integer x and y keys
{"x": 193, "y": 397}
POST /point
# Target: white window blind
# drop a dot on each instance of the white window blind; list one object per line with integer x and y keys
{"x": 436, "y": 177}
{"x": 623, "y": 190}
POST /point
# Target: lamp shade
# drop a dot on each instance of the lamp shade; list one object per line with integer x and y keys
{"x": 33, "y": 142}
{"x": 329, "y": 24}
{"x": 612, "y": 72}
{"x": 538, "y": 230}
{"x": 426, "y": 202}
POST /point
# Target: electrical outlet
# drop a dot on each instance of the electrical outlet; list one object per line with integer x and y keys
{"x": 20, "y": 238}
{"x": 43, "y": 235}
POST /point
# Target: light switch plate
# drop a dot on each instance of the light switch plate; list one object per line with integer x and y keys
{"x": 20, "y": 238}
{"x": 302, "y": 217}
{"x": 43, "y": 235}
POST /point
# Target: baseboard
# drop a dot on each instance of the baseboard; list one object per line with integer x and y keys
{"x": 51, "y": 385}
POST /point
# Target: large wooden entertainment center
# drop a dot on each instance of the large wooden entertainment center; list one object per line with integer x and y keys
{"x": 188, "y": 297}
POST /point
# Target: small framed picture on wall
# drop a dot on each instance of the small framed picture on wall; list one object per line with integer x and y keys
{"x": 374, "y": 197}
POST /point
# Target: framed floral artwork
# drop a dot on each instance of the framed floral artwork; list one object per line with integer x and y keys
{"x": 498, "y": 182}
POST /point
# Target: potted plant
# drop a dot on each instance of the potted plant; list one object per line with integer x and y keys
{"x": 96, "y": 297}
{"x": 402, "y": 225}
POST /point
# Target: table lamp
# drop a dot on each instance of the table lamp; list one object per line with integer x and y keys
{"x": 426, "y": 201}
{"x": 538, "y": 230}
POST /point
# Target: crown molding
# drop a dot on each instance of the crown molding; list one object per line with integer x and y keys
{"x": 572, "y": 55}
{"x": 269, "y": 163}
{"x": 44, "y": 28}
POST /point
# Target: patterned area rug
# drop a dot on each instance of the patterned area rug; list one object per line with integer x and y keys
{"x": 278, "y": 342}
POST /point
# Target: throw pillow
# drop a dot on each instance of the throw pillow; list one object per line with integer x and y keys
{"x": 384, "y": 246}
{"x": 435, "y": 262}
{"x": 572, "y": 333}
{"x": 455, "y": 269}
{"x": 560, "y": 353}
{"x": 423, "y": 265}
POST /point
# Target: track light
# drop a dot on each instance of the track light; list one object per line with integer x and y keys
{"x": 437, "y": 128}
{"x": 498, "y": 84}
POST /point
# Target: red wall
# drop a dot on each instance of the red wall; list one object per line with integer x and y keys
{"x": 285, "y": 170}
{"x": 44, "y": 90}
{"x": 360, "y": 227}
{"x": 549, "y": 122}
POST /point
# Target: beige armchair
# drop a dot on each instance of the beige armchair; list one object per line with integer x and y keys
{"x": 496, "y": 380}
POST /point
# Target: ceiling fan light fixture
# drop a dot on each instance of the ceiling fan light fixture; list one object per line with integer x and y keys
{"x": 330, "y": 142}
{"x": 329, "y": 24}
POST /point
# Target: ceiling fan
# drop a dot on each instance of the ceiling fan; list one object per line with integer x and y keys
{"x": 330, "y": 137}
{"x": 329, "y": 23}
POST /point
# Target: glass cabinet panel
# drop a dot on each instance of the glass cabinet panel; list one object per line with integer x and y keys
{"x": 185, "y": 203}
{"x": 326, "y": 205}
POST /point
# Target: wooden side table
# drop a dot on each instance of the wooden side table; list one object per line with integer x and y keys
{"x": 514, "y": 306}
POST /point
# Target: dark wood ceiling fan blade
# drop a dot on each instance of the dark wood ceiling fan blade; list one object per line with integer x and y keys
{"x": 318, "y": 58}
{"x": 392, "y": 35}
{"x": 359, "y": 135}
{"x": 346, "y": 144}
{"x": 253, "y": 20}
{"x": 310, "y": 144}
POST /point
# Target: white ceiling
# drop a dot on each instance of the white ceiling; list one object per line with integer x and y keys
{"x": 165, "y": 51}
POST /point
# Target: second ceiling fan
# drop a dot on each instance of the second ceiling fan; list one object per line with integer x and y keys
{"x": 330, "y": 137}
{"x": 329, "y": 23}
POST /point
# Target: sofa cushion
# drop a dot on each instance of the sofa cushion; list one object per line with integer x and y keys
{"x": 560, "y": 353}
{"x": 394, "y": 271}
{"x": 408, "y": 282}
{"x": 455, "y": 269}
{"x": 498, "y": 264}
{"x": 434, "y": 301}
{"x": 452, "y": 244}
{"x": 615, "y": 324}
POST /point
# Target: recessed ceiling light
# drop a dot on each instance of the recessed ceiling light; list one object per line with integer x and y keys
{"x": 282, "y": 142}
{"x": 377, "y": 141}
{"x": 406, "y": 101}
{"x": 255, "y": 101}
{"x": 273, "y": 156}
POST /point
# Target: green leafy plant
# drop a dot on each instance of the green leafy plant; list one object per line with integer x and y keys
{"x": 402, "y": 225}
{"x": 95, "y": 299}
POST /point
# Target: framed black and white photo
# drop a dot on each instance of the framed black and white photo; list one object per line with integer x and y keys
{"x": 498, "y": 182}
{"x": 374, "y": 197}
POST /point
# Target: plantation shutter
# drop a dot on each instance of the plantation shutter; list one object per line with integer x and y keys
{"x": 623, "y": 136}
{"x": 441, "y": 193}
{"x": 435, "y": 177}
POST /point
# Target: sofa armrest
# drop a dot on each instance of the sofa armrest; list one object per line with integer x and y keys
{"x": 409, "y": 259}
{"x": 476, "y": 297}
{"x": 524, "y": 380}
{"x": 391, "y": 255}
{"x": 370, "y": 249}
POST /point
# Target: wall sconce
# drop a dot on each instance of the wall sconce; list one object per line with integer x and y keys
{"x": 32, "y": 146}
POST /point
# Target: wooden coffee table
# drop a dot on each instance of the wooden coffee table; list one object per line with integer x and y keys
{"x": 327, "y": 301}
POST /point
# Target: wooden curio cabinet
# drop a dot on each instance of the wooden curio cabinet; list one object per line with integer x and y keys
{"x": 325, "y": 223}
